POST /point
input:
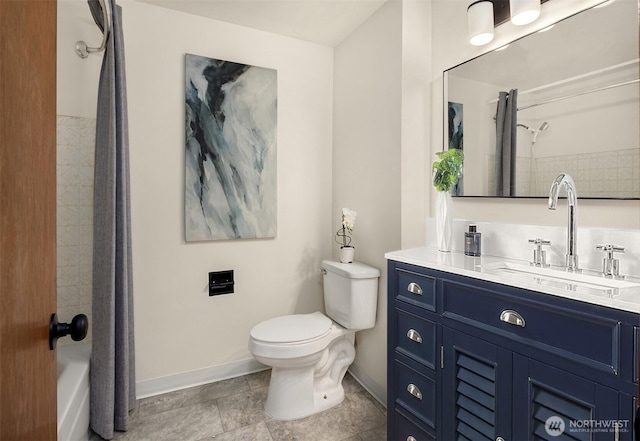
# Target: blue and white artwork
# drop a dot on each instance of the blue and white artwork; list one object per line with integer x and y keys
{"x": 231, "y": 122}
{"x": 456, "y": 134}
{"x": 456, "y": 140}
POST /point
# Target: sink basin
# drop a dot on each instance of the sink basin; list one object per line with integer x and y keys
{"x": 557, "y": 278}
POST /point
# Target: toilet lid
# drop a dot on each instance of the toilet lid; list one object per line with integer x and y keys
{"x": 292, "y": 328}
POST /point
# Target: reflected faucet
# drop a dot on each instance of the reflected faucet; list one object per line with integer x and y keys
{"x": 572, "y": 213}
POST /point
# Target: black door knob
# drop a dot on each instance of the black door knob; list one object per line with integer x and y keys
{"x": 77, "y": 329}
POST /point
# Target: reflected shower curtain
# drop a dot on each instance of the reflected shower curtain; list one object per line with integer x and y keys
{"x": 505, "y": 161}
{"x": 112, "y": 359}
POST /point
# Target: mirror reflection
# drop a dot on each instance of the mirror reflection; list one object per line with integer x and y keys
{"x": 562, "y": 100}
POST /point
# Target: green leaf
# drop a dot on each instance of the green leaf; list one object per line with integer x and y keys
{"x": 448, "y": 169}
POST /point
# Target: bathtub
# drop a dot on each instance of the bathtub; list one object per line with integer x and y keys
{"x": 73, "y": 392}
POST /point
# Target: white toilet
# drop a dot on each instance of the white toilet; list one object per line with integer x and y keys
{"x": 309, "y": 353}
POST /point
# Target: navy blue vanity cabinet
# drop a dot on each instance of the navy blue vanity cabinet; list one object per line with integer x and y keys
{"x": 471, "y": 359}
{"x": 414, "y": 342}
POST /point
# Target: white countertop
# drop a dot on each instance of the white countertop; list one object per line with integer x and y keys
{"x": 626, "y": 299}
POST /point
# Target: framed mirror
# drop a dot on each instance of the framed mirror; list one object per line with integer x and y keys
{"x": 561, "y": 100}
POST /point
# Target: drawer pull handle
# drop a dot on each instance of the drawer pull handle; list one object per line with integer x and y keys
{"x": 414, "y": 288}
{"x": 414, "y": 335}
{"x": 413, "y": 390}
{"x": 410, "y": 438}
{"x": 512, "y": 317}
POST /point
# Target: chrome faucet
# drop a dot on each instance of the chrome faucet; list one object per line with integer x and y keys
{"x": 572, "y": 211}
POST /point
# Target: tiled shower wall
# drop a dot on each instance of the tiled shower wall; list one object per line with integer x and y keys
{"x": 614, "y": 174}
{"x": 75, "y": 160}
{"x": 600, "y": 175}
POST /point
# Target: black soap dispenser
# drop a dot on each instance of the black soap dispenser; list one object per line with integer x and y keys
{"x": 472, "y": 242}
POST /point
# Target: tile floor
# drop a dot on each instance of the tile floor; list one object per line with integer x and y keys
{"x": 234, "y": 410}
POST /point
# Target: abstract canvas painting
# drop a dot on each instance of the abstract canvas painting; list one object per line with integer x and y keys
{"x": 231, "y": 128}
{"x": 455, "y": 126}
{"x": 456, "y": 139}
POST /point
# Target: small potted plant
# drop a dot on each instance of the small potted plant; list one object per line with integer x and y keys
{"x": 343, "y": 237}
{"x": 446, "y": 173}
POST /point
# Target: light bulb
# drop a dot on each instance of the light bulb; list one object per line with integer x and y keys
{"x": 524, "y": 11}
{"x": 480, "y": 22}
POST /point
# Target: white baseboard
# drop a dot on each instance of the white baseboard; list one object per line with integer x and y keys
{"x": 377, "y": 391}
{"x": 183, "y": 380}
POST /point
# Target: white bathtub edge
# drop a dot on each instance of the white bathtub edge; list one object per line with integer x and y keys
{"x": 73, "y": 392}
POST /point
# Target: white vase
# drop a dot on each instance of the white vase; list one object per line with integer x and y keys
{"x": 444, "y": 220}
{"x": 346, "y": 254}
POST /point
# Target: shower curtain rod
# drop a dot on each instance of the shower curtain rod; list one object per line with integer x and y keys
{"x": 577, "y": 77}
{"x": 81, "y": 47}
{"x": 573, "y": 95}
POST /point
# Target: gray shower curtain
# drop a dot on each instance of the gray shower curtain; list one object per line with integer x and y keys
{"x": 505, "y": 162}
{"x": 112, "y": 359}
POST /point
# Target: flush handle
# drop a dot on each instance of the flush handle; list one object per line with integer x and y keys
{"x": 413, "y": 390}
{"x": 414, "y": 288}
{"x": 414, "y": 335}
{"x": 512, "y": 317}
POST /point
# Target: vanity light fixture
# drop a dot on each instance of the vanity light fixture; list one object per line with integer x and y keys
{"x": 480, "y": 22}
{"x": 524, "y": 11}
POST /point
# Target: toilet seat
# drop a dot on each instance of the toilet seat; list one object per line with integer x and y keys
{"x": 291, "y": 336}
{"x": 294, "y": 328}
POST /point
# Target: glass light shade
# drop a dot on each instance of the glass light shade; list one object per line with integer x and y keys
{"x": 524, "y": 11}
{"x": 480, "y": 22}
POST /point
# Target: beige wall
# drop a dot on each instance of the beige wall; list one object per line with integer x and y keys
{"x": 273, "y": 276}
{"x": 417, "y": 62}
{"x": 366, "y": 162}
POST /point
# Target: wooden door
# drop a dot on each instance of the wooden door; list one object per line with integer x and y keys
{"x": 27, "y": 218}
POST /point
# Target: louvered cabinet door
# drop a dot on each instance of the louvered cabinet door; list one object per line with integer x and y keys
{"x": 476, "y": 389}
{"x": 552, "y": 404}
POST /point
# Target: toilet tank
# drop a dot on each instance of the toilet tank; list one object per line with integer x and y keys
{"x": 351, "y": 293}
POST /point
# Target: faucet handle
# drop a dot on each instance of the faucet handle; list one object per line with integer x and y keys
{"x": 610, "y": 249}
{"x": 611, "y": 266}
{"x": 539, "y": 255}
{"x": 540, "y": 241}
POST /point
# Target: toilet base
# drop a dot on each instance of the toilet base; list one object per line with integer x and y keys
{"x": 296, "y": 393}
{"x": 289, "y": 397}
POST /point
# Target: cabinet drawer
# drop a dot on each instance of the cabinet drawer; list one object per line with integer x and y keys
{"x": 416, "y": 289}
{"x": 590, "y": 339}
{"x": 416, "y": 338}
{"x": 416, "y": 393}
{"x": 407, "y": 430}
